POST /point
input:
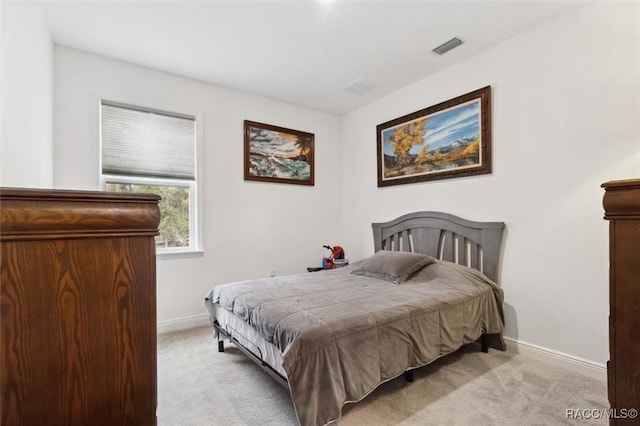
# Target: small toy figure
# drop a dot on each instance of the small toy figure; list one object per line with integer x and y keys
{"x": 335, "y": 260}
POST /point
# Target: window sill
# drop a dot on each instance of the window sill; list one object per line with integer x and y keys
{"x": 178, "y": 254}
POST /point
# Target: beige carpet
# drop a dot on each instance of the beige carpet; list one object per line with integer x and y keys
{"x": 199, "y": 386}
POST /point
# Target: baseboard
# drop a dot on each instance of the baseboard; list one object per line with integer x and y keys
{"x": 177, "y": 324}
{"x": 569, "y": 362}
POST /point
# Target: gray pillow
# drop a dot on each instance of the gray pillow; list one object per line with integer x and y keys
{"x": 393, "y": 266}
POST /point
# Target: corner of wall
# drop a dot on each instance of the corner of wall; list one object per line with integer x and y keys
{"x": 26, "y": 105}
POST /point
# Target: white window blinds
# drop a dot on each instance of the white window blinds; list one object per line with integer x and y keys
{"x": 139, "y": 142}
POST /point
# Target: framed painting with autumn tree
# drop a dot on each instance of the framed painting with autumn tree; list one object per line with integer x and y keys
{"x": 447, "y": 140}
{"x": 277, "y": 154}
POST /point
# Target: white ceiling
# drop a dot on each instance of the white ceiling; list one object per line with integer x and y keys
{"x": 301, "y": 52}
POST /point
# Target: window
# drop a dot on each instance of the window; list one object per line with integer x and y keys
{"x": 144, "y": 150}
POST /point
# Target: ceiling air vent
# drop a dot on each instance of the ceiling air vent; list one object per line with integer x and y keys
{"x": 447, "y": 46}
{"x": 359, "y": 86}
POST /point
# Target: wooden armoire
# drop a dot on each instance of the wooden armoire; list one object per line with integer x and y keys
{"x": 78, "y": 308}
{"x": 622, "y": 210}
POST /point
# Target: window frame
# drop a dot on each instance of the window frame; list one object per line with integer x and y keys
{"x": 195, "y": 227}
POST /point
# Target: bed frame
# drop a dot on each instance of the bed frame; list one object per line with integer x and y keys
{"x": 445, "y": 237}
{"x": 440, "y": 235}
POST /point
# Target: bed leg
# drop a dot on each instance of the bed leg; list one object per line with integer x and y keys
{"x": 220, "y": 345}
{"x": 485, "y": 343}
{"x": 408, "y": 376}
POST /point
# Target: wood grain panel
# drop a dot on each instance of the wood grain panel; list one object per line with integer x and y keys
{"x": 627, "y": 313}
{"x": 78, "y": 330}
{"x": 622, "y": 208}
{"x": 40, "y": 214}
{"x": 621, "y": 200}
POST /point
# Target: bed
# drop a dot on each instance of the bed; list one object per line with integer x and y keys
{"x": 332, "y": 337}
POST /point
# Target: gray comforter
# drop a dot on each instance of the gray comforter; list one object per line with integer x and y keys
{"x": 342, "y": 335}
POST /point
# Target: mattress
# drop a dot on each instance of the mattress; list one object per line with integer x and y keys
{"x": 248, "y": 337}
{"x": 336, "y": 335}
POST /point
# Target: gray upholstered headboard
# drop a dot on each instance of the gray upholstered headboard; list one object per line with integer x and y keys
{"x": 444, "y": 236}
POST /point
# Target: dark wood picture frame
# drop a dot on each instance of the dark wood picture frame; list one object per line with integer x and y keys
{"x": 277, "y": 154}
{"x": 447, "y": 140}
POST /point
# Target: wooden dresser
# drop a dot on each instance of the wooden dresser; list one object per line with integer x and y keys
{"x": 78, "y": 308}
{"x": 622, "y": 209}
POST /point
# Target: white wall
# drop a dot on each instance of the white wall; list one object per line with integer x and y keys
{"x": 565, "y": 119}
{"x": 26, "y": 91}
{"x": 249, "y": 227}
